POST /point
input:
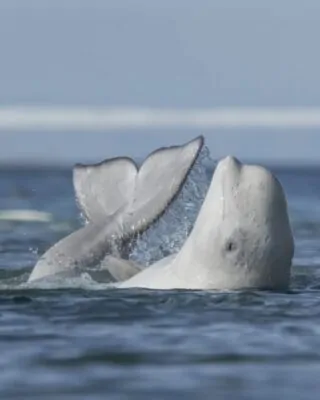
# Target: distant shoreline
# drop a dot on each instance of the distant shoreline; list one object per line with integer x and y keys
{"x": 74, "y": 118}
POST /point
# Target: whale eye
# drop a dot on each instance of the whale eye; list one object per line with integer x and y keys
{"x": 230, "y": 246}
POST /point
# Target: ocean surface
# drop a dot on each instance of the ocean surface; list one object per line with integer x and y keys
{"x": 77, "y": 339}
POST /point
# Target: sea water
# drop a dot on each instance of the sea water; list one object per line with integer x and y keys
{"x": 77, "y": 339}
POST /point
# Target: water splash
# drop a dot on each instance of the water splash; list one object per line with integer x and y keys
{"x": 81, "y": 280}
{"x": 168, "y": 234}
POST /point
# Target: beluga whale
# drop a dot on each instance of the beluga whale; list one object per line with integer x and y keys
{"x": 119, "y": 200}
{"x": 241, "y": 239}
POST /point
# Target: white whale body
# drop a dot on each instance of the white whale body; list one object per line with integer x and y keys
{"x": 119, "y": 200}
{"x": 241, "y": 239}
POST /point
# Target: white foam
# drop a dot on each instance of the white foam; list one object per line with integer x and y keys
{"x": 80, "y": 281}
{"x": 36, "y": 118}
{"x": 25, "y": 216}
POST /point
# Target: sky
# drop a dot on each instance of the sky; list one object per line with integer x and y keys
{"x": 170, "y": 56}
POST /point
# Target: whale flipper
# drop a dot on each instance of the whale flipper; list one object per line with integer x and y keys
{"x": 119, "y": 269}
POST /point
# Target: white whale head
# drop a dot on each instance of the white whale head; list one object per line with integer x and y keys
{"x": 242, "y": 237}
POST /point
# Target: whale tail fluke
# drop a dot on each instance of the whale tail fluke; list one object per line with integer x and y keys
{"x": 119, "y": 200}
{"x": 104, "y": 188}
{"x": 140, "y": 196}
{"x": 160, "y": 180}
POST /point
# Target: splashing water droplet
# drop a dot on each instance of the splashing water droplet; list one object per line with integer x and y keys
{"x": 168, "y": 234}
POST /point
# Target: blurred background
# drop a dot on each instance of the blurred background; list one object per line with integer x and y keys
{"x": 82, "y": 80}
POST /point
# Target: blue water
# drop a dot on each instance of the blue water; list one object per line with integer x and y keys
{"x": 87, "y": 342}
